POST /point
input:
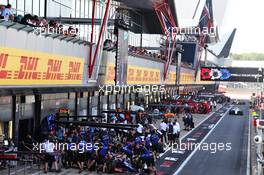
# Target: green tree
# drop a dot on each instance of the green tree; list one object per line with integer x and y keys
{"x": 248, "y": 56}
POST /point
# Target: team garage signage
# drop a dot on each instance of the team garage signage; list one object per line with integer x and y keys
{"x": 19, "y": 67}
{"x": 234, "y": 74}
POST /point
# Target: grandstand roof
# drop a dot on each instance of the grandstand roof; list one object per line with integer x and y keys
{"x": 145, "y": 8}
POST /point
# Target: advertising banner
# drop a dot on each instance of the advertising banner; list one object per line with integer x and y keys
{"x": 19, "y": 67}
{"x": 233, "y": 74}
{"x": 142, "y": 75}
{"x": 136, "y": 75}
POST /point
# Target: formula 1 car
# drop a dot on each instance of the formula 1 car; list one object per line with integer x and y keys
{"x": 239, "y": 102}
{"x": 236, "y": 111}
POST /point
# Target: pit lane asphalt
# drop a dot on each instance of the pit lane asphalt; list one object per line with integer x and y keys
{"x": 234, "y": 130}
{"x": 228, "y": 129}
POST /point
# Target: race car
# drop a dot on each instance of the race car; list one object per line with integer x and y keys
{"x": 239, "y": 102}
{"x": 236, "y": 111}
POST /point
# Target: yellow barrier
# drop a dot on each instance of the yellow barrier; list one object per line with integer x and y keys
{"x": 20, "y": 67}
{"x": 142, "y": 75}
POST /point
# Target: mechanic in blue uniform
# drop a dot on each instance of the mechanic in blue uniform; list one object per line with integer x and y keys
{"x": 101, "y": 158}
{"x": 155, "y": 142}
{"x": 128, "y": 150}
{"x": 81, "y": 158}
{"x": 91, "y": 155}
{"x": 148, "y": 158}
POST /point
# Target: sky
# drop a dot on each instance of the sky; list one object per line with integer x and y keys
{"x": 248, "y": 17}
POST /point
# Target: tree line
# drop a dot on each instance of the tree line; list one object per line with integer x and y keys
{"x": 248, "y": 56}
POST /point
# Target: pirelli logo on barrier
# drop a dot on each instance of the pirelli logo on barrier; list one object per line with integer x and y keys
{"x": 19, "y": 67}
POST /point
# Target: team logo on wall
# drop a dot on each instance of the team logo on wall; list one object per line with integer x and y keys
{"x": 231, "y": 74}
{"x": 215, "y": 74}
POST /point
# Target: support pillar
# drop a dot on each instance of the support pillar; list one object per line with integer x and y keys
{"x": 89, "y": 103}
{"x": 77, "y": 105}
{"x": 116, "y": 100}
{"x": 99, "y": 103}
{"x": 124, "y": 99}
{"x": 37, "y": 116}
{"x": 108, "y": 101}
{"x": 15, "y": 119}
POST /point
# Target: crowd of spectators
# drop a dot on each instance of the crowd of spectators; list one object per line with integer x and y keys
{"x": 6, "y": 12}
{"x": 51, "y": 26}
{"x": 144, "y": 52}
{"x": 109, "y": 45}
{"x": 44, "y": 25}
{"x": 154, "y": 55}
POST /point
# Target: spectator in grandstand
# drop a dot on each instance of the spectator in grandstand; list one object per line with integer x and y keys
{"x": 150, "y": 54}
{"x": 43, "y": 22}
{"x": 2, "y": 8}
{"x": 154, "y": 55}
{"x": 32, "y": 21}
{"x": 53, "y": 26}
{"x": 163, "y": 57}
{"x": 72, "y": 32}
{"x": 60, "y": 31}
{"x": 27, "y": 20}
{"x": 130, "y": 48}
{"x": 36, "y": 21}
{"x": 108, "y": 45}
{"x": 7, "y": 14}
{"x": 18, "y": 18}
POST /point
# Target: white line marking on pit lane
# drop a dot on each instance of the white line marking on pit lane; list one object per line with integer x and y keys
{"x": 208, "y": 134}
{"x": 177, "y": 152}
{"x": 19, "y": 170}
{"x": 249, "y": 145}
{"x": 211, "y": 126}
{"x": 61, "y": 173}
{"x": 171, "y": 159}
{"x": 191, "y": 139}
{"x": 166, "y": 150}
{"x": 38, "y": 173}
